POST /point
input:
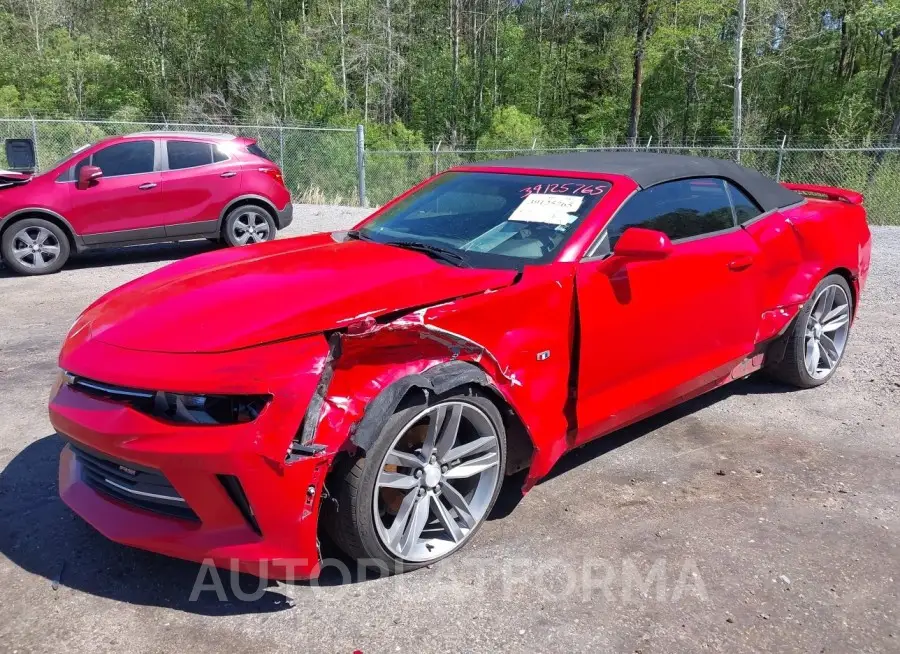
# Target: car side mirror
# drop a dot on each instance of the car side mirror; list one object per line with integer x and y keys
{"x": 639, "y": 243}
{"x": 87, "y": 176}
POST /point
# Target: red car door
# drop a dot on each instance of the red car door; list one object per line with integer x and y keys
{"x": 125, "y": 204}
{"x": 199, "y": 178}
{"x": 654, "y": 331}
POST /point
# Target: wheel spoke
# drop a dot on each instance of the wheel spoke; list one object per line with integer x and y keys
{"x": 812, "y": 356}
{"x": 447, "y": 520}
{"x": 836, "y": 318}
{"x": 417, "y": 523}
{"x": 836, "y": 324}
{"x": 41, "y": 236}
{"x": 21, "y": 253}
{"x": 397, "y": 480}
{"x": 459, "y": 504}
{"x": 473, "y": 467}
{"x": 834, "y": 313}
{"x": 402, "y": 518}
{"x": 470, "y": 448}
{"x": 25, "y": 237}
{"x": 404, "y": 459}
{"x": 38, "y": 257}
{"x": 243, "y": 238}
{"x": 826, "y": 303}
{"x": 829, "y": 351}
{"x": 449, "y": 431}
{"x": 442, "y": 430}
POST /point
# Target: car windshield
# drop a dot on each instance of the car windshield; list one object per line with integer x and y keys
{"x": 487, "y": 218}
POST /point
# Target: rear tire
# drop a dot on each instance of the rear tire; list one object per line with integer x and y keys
{"x": 818, "y": 337}
{"x": 248, "y": 224}
{"x": 442, "y": 498}
{"x": 35, "y": 246}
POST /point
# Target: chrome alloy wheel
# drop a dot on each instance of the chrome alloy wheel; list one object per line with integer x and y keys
{"x": 437, "y": 481}
{"x": 35, "y": 247}
{"x": 250, "y": 227}
{"x": 827, "y": 328}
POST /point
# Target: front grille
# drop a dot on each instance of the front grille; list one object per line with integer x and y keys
{"x": 144, "y": 488}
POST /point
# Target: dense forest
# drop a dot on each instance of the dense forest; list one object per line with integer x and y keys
{"x": 468, "y": 72}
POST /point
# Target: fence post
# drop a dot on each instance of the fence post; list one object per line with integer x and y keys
{"x": 780, "y": 159}
{"x": 437, "y": 149}
{"x": 281, "y": 147}
{"x": 34, "y": 140}
{"x": 361, "y": 164}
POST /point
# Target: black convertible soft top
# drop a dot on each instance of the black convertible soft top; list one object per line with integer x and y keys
{"x": 648, "y": 169}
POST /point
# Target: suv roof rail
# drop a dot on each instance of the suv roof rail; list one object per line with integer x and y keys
{"x": 219, "y": 136}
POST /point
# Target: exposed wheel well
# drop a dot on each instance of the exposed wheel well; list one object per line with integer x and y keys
{"x": 50, "y": 218}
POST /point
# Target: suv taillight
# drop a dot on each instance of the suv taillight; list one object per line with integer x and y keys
{"x": 274, "y": 173}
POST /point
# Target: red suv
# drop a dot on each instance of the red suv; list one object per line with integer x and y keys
{"x": 141, "y": 188}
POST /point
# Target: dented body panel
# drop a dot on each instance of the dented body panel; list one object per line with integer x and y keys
{"x": 570, "y": 350}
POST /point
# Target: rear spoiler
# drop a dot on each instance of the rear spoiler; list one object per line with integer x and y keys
{"x": 830, "y": 192}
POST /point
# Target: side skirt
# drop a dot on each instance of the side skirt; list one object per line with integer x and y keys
{"x": 150, "y": 235}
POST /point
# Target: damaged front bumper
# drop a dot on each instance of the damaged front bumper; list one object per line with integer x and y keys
{"x": 234, "y": 496}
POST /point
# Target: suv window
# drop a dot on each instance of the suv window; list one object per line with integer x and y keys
{"x": 129, "y": 158}
{"x": 682, "y": 209}
{"x": 258, "y": 151}
{"x": 188, "y": 154}
{"x": 744, "y": 208}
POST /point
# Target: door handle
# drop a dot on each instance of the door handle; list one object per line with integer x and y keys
{"x": 230, "y": 173}
{"x": 146, "y": 186}
{"x": 741, "y": 263}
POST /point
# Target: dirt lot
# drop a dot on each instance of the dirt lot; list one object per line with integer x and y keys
{"x": 755, "y": 518}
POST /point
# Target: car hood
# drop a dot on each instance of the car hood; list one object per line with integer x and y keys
{"x": 238, "y": 298}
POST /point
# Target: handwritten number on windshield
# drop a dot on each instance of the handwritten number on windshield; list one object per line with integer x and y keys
{"x": 567, "y": 189}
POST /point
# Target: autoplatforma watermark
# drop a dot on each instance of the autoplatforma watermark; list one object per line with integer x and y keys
{"x": 588, "y": 579}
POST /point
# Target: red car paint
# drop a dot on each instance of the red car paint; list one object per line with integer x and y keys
{"x": 576, "y": 347}
{"x": 158, "y": 205}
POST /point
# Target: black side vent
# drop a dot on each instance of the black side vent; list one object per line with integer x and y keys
{"x": 236, "y": 492}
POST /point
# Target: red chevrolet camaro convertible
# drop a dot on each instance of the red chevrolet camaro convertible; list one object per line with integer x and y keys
{"x": 383, "y": 381}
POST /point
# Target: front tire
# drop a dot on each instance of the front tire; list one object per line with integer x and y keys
{"x": 819, "y": 336}
{"x": 35, "y": 246}
{"x": 248, "y": 224}
{"x": 425, "y": 487}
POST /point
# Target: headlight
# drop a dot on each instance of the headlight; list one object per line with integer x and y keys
{"x": 175, "y": 407}
{"x": 209, "y": 409}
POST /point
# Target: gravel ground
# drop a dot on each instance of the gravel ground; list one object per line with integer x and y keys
{"x": 755, "y": 518}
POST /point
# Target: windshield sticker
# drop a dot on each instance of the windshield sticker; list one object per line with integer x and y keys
{"x": 567, "y": 188}
{"x": 548, "y": 209}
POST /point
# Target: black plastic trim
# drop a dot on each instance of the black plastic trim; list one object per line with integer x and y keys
{"x": 232, "y": 486}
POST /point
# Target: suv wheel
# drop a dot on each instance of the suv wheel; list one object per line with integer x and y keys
{"x": 34, "y": 247}
{"x": 248, "y": 224}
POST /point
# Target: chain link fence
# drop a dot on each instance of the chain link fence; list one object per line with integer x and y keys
{"x": 331, "y": 165}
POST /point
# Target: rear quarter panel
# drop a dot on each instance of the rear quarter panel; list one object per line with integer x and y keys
{"x": 831, "y": 235}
